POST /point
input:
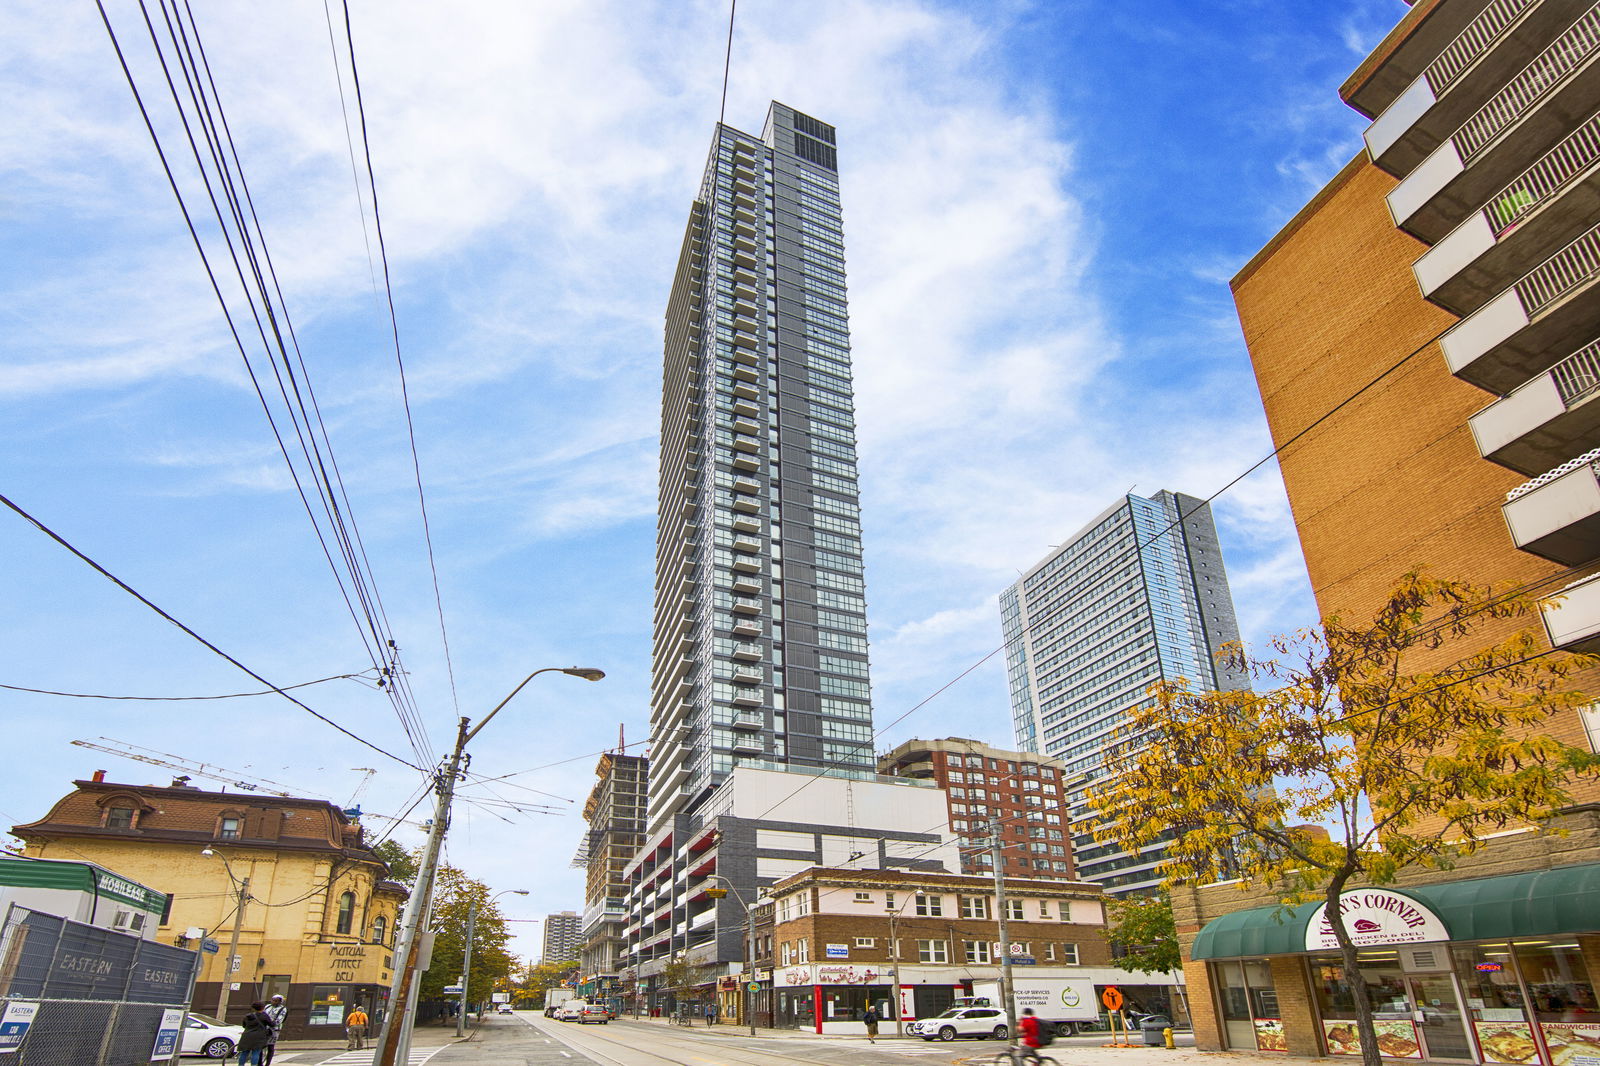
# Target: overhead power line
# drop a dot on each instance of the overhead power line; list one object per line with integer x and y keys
{"x": 130, "y": 590}
{"x": 394, "y": 324}
{"x": 185, "y": 699}
{"x": 295, "y": 415}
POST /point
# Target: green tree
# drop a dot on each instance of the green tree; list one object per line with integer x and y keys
{"x": 547, "y": 975}
{"x": 1141, "y": 927}
{"x": 1407, "y": 767}
{"x": 454, "y": 894}
{"x": 402, "y": 863}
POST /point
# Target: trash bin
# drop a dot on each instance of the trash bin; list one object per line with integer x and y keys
{"x": 1151, "y": 1025}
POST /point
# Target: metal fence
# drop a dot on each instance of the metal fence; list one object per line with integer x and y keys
{"x": 100, "y": 995}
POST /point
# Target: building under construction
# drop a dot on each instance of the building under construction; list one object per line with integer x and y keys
{"x": 615, "y": 812}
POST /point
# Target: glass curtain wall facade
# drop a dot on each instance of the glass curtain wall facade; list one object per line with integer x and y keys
{"x": 1139, "y": 595}
{"x": 760, "y": 654}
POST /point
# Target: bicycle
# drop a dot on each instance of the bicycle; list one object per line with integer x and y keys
{"x": 1017, "y": 1055}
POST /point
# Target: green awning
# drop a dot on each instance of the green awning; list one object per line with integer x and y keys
{"x": 1565, "y": 899}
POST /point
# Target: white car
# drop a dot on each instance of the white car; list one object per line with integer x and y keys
{"x": 963, "y": 1021}
{"x": 209, "y": 1037}
{"x": 565, "y": 1013}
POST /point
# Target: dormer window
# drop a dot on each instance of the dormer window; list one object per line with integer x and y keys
{"x": 119, "y": 817}
{"x": 228, "y": 827}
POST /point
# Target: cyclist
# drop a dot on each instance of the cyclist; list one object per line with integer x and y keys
{"x": 1029, "y": 1028}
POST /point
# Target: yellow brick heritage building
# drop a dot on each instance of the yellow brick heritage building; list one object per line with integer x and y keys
{"x": 318, "y": 926}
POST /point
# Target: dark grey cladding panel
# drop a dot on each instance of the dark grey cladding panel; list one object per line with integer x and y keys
{"x": 797, "y": 456}
{"x": 800, "y": 603}
{"x": 805, "y": 701}
{"x": 804, "y": 723}
{"x": 794, "y": 552}
{"x": 801, "y": 632}
{"x": 793, "y": 410}
{"x": 804, "y": 747}
{"x": 801, "y": 678}
{"x": 789, "y": 321}
{"x": 801, "y": 573}
{"x": 792, "y": 339}
{"x": 795, "y": 492}
{"x": 802, "y": 656}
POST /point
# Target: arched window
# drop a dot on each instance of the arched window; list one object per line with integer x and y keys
{"x": 380, "y": 927}
{"x": 347, "y": 912}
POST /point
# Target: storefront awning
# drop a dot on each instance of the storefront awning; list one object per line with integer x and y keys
{"x": 1565, "y": 899}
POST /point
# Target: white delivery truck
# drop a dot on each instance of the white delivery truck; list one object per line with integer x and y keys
{"x": 1063, "y": 1002}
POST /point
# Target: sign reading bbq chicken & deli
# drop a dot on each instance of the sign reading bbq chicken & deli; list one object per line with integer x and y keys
{"x": 1375, "y": 917}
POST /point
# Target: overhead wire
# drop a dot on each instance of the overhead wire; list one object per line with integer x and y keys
{"x": 183, "y": 699}
{"x": 130, "y": 590}
{"x": 394, "y": 322}
{"x": 242, "y": 236}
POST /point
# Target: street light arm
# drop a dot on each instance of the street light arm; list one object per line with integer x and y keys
{"x": 587, "y": 673}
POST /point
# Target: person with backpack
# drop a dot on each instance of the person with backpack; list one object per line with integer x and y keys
{"x": 257, "y": 1033}
{"x": 1034, "y": 1036}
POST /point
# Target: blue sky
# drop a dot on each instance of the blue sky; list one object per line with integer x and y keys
{"x": 1043, "y": 204}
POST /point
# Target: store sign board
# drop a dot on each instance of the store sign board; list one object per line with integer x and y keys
{"x": 1376, "y": 917}
{"x": 15, "y": 1019}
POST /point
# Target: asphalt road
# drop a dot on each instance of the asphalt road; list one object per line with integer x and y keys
{"x": 527, "y": 1038}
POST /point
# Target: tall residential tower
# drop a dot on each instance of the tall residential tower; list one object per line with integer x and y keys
{"x": 1137, "y": 596}
{"x": 762, "y": 759}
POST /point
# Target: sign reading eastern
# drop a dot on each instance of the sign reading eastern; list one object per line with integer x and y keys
{"x": 1375, "y": 917}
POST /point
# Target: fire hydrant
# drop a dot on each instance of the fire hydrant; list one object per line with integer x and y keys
{"x": 1166, "y": 1035}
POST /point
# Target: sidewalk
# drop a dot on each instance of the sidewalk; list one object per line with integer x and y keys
{"x": 1066, "y": 1054}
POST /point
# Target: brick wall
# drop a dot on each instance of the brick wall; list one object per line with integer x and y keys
{"x": 1393, "y": 480}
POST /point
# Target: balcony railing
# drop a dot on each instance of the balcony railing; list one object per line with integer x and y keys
{"x": 1569, "y": 268}
{"x": 1472, "y": 42}
{"x": 1578, "y": 374}
{"x": 1589, "y": 458}
{"x": 1555, "y": 170}
{"x": 1564, "y": 55}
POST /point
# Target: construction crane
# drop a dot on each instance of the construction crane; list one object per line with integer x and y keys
{"x": 362, "y": 785}
{"x": 193, "y": 768}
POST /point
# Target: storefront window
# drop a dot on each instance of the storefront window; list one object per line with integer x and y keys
{"x": 1385, "y": 989}
{"x": 1250, "y": 1006}
{"x": 327, "y": 1005}
{"x": 1562, "y": 991}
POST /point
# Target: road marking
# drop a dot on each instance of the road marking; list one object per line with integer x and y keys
{"x": 568, "y": 1054}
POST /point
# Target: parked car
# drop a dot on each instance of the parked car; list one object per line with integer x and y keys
{"x": 569, "y": 1013}
{"x": 504, "y": 1008}
{"x": 594, "y": 1012}
{"x": 980, "y": 1022}
{"x": 209, "y": 1037}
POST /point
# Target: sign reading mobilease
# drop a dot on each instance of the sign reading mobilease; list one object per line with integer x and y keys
{"x": 1375, "y": 917}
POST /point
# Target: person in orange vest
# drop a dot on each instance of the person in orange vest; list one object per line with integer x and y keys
{"x": 355, "y": 1028}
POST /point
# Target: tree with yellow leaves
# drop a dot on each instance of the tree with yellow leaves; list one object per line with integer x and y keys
{"x": 1404, "y": 766}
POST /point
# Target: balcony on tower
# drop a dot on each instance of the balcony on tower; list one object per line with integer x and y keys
{"x": 1534, "y": 109}
{"x": 1546, "y": 421}
{"x": 1549, "y": 312}
{"x": 1572, "y": 617}
{"x": 1438, "y": 66}
{"x": 1557, "y": 514}
{"x": 1520, "y": 225}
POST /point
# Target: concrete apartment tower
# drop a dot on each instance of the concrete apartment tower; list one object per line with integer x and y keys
{"x": 1139, "y": 595}
{"x": 561, "y": 939}
{"x": 761, "y": 715}
{"x": 614, "y": 812}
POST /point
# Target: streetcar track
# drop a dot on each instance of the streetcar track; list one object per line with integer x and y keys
{"x": 724, "y": 1054}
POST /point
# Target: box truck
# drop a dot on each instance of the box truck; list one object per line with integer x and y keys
{"x": 1063, "y": 1002}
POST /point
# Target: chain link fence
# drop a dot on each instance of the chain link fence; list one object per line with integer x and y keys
{"x": 99, "y": 995}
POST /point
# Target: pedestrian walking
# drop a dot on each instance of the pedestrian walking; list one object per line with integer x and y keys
{"x": 277, "y": 1012}
{"x": 872, "y": 1018}
{"x": 712, "y": 1010}
{"x": 257, "y": 1033}
{"x": 355, "y": 1029}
